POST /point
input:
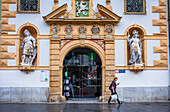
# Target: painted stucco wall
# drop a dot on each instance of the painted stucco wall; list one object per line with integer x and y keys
{"x": 12, "y": 48}
{"x": 146, "y": 78}
{"x": 118, "y": 8}
{"x": 44, "y": 52}
{"x": 150, "y": 55}
{"x": 120, "y": 53}
{"x": 16, "y": 78}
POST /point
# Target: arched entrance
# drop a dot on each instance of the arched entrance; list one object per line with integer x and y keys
{"x": 82, "y": 74}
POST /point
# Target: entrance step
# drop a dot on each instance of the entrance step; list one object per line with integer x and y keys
{"x": 83, "y": 100}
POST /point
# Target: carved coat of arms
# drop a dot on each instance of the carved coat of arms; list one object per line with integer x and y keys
{"x": 82, "y": 29}
{"x": 68, "y": 29}
{"x": 82, "y": 8}
{"x": 95, "y": 29}
{"x": 55, "y": 29}
{"x": 109, "y": 29}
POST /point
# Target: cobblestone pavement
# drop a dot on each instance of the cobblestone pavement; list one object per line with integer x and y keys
{"x": 75, "y": 107}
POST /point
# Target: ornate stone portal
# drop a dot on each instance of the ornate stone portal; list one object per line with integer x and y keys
{"x": 82, "y": 29}
{"x": 29, "y": 49}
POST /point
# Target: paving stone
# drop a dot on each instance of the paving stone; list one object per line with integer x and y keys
{"x": 84, "y": 107}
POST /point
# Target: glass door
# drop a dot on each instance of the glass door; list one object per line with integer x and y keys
{"x": 82, "y": 74}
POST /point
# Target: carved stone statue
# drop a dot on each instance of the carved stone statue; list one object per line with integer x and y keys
{"x": 135, "y": 49}
{"x": 29, "y": 49}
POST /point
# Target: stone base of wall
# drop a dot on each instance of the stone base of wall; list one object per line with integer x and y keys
{"x": 127, "y": 94}
{"x": 143, "y": 94}
{"x": 169, "y": 92}
{"x": 23, "y": 94}
{"x": 57, "y": 99}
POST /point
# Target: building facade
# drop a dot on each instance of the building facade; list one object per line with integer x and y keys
{"x": 53, "y": 50}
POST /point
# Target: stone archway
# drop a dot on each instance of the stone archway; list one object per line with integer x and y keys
{"x": 57, "y": 55}
{"x": 88, "y": 44}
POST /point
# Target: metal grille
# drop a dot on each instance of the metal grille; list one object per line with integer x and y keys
{"x": 29, "y": 5}
{"x": 134, "y": 5}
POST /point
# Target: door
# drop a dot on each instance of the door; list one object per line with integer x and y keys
{"x": 82, "y": 75}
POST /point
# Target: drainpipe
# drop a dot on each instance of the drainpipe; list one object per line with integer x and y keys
{"x": 169, "y": 46}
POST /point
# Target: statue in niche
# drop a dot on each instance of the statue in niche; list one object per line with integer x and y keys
{"x": 29, "y": 49}
{"x": 135, "y": 49}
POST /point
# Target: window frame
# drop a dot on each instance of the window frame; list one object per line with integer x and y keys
{"x": 135, "y": 13}
{"x": 19, "y": 11}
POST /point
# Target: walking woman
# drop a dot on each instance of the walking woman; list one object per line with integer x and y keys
{"x": 113, "y": 90}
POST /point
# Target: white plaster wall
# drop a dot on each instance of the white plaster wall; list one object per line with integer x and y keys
{"x": 36, "y": 19}
{"x": 16, "y": 78}
{"x": 44, "y": 52}
{"x": 147, "y": 78}
{"x": 118, "y": 8}
{"x": 150, "y": 55}
{"x": 12, "y": 62}
{"x": 144, "y": 20}
{"x": 120, "y": 53}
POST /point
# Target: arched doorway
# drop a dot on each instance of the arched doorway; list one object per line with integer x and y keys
{"x": 82, "y": 74}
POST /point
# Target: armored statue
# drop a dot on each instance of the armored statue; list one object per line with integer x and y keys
{"x": 29, "y": 49}
{"x": 135, "y": 49}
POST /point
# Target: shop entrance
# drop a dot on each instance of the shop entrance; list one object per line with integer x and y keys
{"x": 82, "y": 74}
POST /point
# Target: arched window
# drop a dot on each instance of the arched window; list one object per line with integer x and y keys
{"x": 28, "y": 6}
{"x": 134, "y": 6}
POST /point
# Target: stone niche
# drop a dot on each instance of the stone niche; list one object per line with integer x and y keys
{"x": 33, "y": 32}
{"x": 141, "y": 37}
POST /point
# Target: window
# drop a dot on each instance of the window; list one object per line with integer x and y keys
{"x": 28, "y": 6}
{"x": 135, "y": 7}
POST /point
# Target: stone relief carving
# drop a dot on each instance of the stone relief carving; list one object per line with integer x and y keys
{"x": 68, "y": 29}
{"x": 29, "y": 49}
{"x": 55, "y": 29}
{"x": 135, "y": 49}
{"x": 82, "y": 29}
{"x": 95, "y": 29}
{"x": 109, "y": 29}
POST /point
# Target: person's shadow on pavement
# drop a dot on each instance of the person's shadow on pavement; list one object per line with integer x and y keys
{"x": 117, "y": 109}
